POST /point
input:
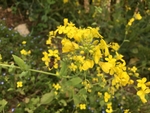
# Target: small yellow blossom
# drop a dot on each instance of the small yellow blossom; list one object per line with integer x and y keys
{"x": 109, "y": 108}
{"x": 65, "y": 22}
{"x": 73, "y": 67}
{"x": 87, "y": 64}
{"x": 99, "y": 94}
{"x": 82, "y": 106}
{"x": 48, "y": 41}
{"x": 56, "y": 86}
{"x": 0, "y": 57}
{"x": 19, "y": 84}
{"x": 24, "y": 42}
{"x": 106, "y": 96}
{"x": 24, "y": 52}
{"x": 141, "y": 83}
{"x": 137, "y": 16}
{"x": 131, "y": 21}
{"x": 65, "y": 1}
{"x": 141, "y": 93}
{"x": 126, "y": 111}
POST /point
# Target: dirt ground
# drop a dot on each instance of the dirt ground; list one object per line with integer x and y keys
{"x": 11, "y": 19}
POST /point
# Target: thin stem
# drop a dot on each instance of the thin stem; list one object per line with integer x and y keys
{"x": 33, "y": 70}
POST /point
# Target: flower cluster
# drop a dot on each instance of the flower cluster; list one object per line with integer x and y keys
{"x": 136, "y": 16}
{"x": 102, "y": 69}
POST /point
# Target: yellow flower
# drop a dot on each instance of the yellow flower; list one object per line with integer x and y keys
{"x": 133, "y": 69}
{"x": 24, "y": 52}
{"x": 68, "y": 45}
{"x": 99, "y": 94}
{"x": 137, "y": 16}
{"x": 106, "y": 96}
{"x": 73, "y": 67}
{"x": 0, "y": 57}
{"x": 48, "y": 41}
{"x": 82, "y": 106}
{"x": 65, "y": 1}
{"x": 65, "y": 21}
{"x": 131, "y": 21}
{"x": 141, "y": 83}
{"x": 56, "y": 86}
{"x": 19, "y": 84}
{"x": 141, "y": 93}
{"x": 126, "y": 111}
{"x": 87, "y": 64}
{"x": 105, "y": 66}
{"x": 109, "y": 108}
{"x": 24, "y": 42}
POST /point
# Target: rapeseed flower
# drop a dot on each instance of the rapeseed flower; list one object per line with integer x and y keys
{"x": 137, "y": 16}
{"x": 65, "y": 1}
{"x": 24, "y": 42}
{"x": 24, "y": 52}
{"x": 141, "y": 93}
{"x": 19, "y": 84}
{"x": 56, "y": 86}
{"x": 131, "y": 21}
{"x": 0, "y": 57}
{"x": 82, "y": 106}
{"x": 107, "y": 96}
{"x": 141, "y": 83}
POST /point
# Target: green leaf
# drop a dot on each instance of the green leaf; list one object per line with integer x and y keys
{"x": 63, "y": 102}
{"x": 20, "y": 62}
{"x": 47, "y": 98}
{"x": 64, "y": 69}
{"x": 23, "y": 74}
{"x": 2, "y": 104}
{"x": 75, "y": 81}
{"x": 76, "y": 99}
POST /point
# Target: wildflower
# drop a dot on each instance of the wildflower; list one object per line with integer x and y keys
{"x": 65, "y": 22}
{"x": 73, "y": 67}
{"x": 106, "y": 96}
{"x": 48, "y": 41}
{"x": 87, "y": 64}
{"x": 24, "y": 52}
{"x": 133, "y": 69}
{"x": 56, "y": 86}
{"x": 68, "y": 45}
{"x": 137, "y": 16}
{"x": 114, "y": 46}
{"x": 109, "y": 108}
{"x": 131, "y": 21}
{"x": 24, "y": 42}
{"x": 141, "y": 83}
{"x": 0, "y": 57}
{"x": 82, "y": 106}
{"x": 65, "y": 1}
{"x": 19, "y": 84}
{"x": 141, "y": 93}
{"x": 105, "y": 66}
{"x": 126, "y": 111}
{"x": 97, "y": 54}
{"x": 99, "y": 94}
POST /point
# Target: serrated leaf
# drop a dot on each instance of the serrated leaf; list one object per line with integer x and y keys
{"x": 20, "y": 62}
{"x": 47, "y": 98}
{"x": 75, "y": 81}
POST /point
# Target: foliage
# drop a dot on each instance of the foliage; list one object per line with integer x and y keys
{"x": 85, "y": 74}
{"x": 115, "y": 24}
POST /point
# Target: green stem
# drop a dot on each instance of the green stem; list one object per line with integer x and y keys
{"x": 33, "y": 70}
